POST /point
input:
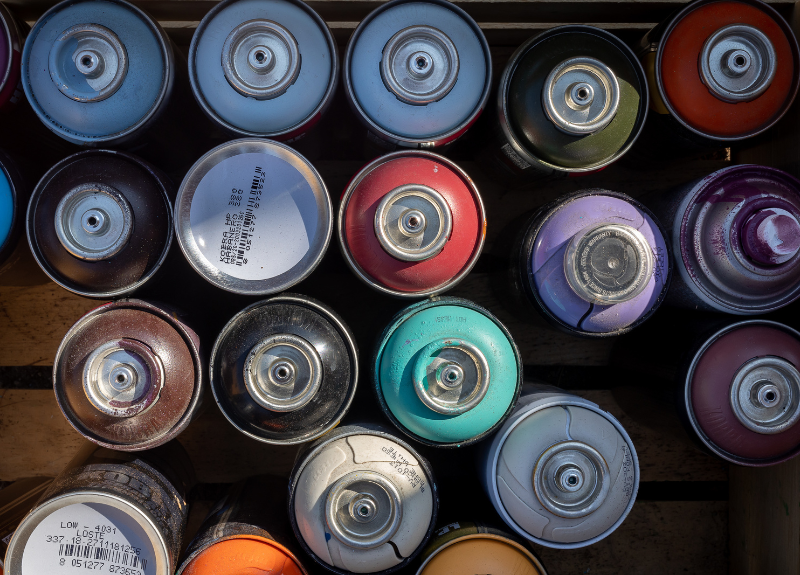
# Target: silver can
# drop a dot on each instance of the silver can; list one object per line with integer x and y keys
{"x": 249, "y": 233}
{"x": 561, "y": 472}
{"x": 362, "y": 501}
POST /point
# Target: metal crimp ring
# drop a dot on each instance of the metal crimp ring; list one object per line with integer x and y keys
{"x": 283, "y": 372}
{"x": 451, "y": 376}
{"x": 765, "y": 395}
{"x": 413, "y": 223}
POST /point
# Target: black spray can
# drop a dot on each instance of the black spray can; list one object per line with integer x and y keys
{"x": 121, "y": 512}
{"x": 362, "y": 501}
{"x": 284, "y": 370}
{"x": 571, "y": 100}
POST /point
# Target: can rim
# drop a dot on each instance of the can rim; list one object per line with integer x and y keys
{"x": 508, "y": 72}
{"x": 178, "y": 326}
{"x": 30, "y": 228}
{"x": 687, "y": 396}
{"x": 366, "y": 171}
{"x": 438, "y": 139}
{"x": 39, "y": 513}
{"x": 790, "y": 38}
{"x": 395, "y": 322}
{"x": 283, "y": 549}
{"x": 7, "y": 20}
{"x": 183, "y": 205}
{"x": 10, "y": 171}
{"x": 117, "y": 138}
{"x": 557, "y": 401}
{"x": 324, "y": 103}
{"x": 493, "y": 536}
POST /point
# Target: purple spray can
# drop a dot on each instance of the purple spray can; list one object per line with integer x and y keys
{"x": 594, "y": 263}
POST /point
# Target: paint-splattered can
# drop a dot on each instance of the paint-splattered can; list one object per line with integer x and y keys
{"x": 284, "y": 370}
{"x": 467, "y": 547}
{"x": 411, "y": 224}
{"x": 362, "y": 501}
{"x": 100, "y": 223}
{"x": 128, "y": 375}
{"x": 735, "y": 236}
{"x": 446, "y": 372}
{"x": 417, "y": 73}
{"x": 253, "y": 217}
{"x": 117, "y": 512}
{"x": 16, "y": 500}
{"x": 98, "y": 72}
{"x": 719, "y": 71}
{"x": 11, "y": 41}
{"x": 561, "y": 472}
{"x": 595, "y": 263}
{"x": 13, "y": 203}
{"x": 267, "y": 68}
{"x": 247, "y": 531}
{"x": 572, "y": 99}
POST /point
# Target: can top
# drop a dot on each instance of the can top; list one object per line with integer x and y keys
{"x": 8, "y": 209}
{"x": 262, "y": 76}
{"x": 234, "y": 555}
{"x": 248, "y": 233}
{"x": 411, "y": 224}
{"x": 573, "y": 97}
{"x": 418, "y": 70}
{"x": 482, "y": 553}
{"x": 739, "y": 239}
{"x": 728, "y": 70}
{"x": 598, "y": 261}
{"x": 746, "y": 376}
{"x": 96, "y": 70}
{"x": 447, "y": 371}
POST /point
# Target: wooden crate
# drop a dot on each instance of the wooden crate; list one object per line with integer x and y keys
{"x": 694, "y": 514}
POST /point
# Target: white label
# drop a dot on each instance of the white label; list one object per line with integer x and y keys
{"x": 254, "y": 216}
{"x": 88, "y": 538}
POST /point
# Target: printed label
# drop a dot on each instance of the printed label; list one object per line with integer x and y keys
{"x": 254, "y": 216}
{"x": 88, "y": 538}
{"x": 404, "y": 468}
{"x": 515, "y": 157}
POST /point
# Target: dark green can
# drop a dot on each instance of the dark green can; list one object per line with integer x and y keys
{"x": 572, "y": 99}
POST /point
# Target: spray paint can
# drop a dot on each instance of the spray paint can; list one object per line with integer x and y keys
{"x": 266, "y": 68}
{"x": 719, "y": 72}
{"x": 128, "y": 375}
{"x": 735, "y": 235}
{"x": 11, "y": 40}
{"x": 561, "y": 472}
{"x": 13, "y": 202}
{"x": 16, "y": 500}
{"x": 100, "y": 223}
{"x": 417, "y": 74}
{"x": 247, "y": 531}
{"x": 110, "y": 511}
{"x": 594, "y": 263}
{"x": 284, "y": 370}
{"x": 446, "y": 372}
{"x": 411, "y": 224}
{"x": 572, "y": 99}
{"x": 466, "y": 547}
{"x": 248, "y": 233}
{"x": 362, "y": 501}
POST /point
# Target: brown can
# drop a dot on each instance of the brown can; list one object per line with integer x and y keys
{"x": 128, "y": 375}
{"x": 16, "y": 501}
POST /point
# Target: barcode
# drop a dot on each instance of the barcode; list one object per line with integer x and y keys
{"x": 255, "y": 191}
{"x": 100, "y": 554}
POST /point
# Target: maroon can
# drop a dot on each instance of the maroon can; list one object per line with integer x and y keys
{"x": 11, "y": 41}
{"x": 128, "y": 375}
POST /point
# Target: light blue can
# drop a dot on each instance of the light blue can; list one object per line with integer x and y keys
{"x": 264, "y": 68}
{"x": 447, "y": 372}
{"x": 97, "y": 72}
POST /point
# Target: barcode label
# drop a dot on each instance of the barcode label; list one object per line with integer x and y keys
{"x": 100, "y": 554}
{"x": 247, "y": 224}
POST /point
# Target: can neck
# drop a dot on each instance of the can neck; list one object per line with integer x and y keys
{"x": 765, "y": 395}
{"x": 261, "y": 59}
{"x": 123, "y": 378}
{"x": 771, "y": 236}
{"x": 283, "y": 372}
{"x": 571, "y": 479}
{"x": 363, "y": 509}
{"x": 608, "y": 264}
{"x": 88, "y": 63}
{"x": 420, "y": 65}
{"x": 737, "y": 63}
{"x": 581, "y": 96}
{"x": 451, "y": 376}
{"x": 413, "y": 223}
{"x": 94, "y": 221}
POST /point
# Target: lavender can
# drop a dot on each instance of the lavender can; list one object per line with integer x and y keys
{"x": 594, "y": 263}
